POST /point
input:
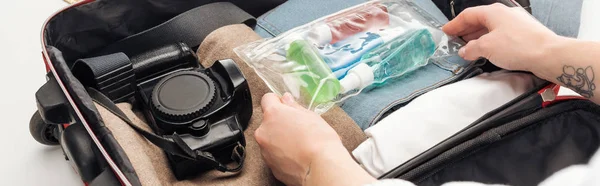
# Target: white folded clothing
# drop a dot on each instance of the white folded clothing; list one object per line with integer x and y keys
{"x": 435, "y": 116}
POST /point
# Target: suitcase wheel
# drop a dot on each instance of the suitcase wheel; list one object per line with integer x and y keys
{"x": 42, "y": 132}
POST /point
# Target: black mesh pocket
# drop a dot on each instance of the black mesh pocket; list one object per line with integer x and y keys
{"x": 521, "y": 152}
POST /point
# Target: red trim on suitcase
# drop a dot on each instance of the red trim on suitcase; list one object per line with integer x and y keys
{"x": 550, "y": 95}
{"x": 46, "y": 63}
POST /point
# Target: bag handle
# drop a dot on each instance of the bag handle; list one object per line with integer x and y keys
{"x": 174, "y": 145}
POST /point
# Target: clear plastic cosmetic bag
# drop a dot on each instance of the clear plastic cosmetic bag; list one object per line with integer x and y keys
{"x": 330, "y": 59}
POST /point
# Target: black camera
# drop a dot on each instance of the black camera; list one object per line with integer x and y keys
{"x": 204, "y": 109}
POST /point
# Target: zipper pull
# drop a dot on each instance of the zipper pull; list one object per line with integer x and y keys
{"x": 550, "y": 95}
{"x": 452, "y": 9}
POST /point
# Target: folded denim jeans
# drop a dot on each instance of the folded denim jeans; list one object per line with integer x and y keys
{"x": 370, "y": 106}
{"x": 562, "y": 17}
{"x": 295, "y": 13}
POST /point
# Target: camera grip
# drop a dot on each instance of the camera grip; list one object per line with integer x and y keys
{"x": 229, "y": 76}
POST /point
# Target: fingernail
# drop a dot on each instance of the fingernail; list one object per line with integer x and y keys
{"x": 461, "y": 52}
{"x": 287, "y": 97}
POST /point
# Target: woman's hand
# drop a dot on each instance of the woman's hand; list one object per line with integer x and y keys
{"x": 512, "y": 39}
{"x": 301, "y": 148}
{"x": 291, "y": 137}
{"x": 509, "y": 37}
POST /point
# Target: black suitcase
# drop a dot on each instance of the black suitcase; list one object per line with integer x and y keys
{"x": 67, "y": 116}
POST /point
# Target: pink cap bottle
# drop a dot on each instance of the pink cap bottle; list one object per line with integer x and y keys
{"x": 366, "y": 18}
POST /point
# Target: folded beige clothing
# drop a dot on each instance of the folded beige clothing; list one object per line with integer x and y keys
{"x": 150, "y": 162}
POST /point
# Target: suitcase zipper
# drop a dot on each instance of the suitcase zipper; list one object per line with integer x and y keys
{"x": 510, "y": 128}
{"x": 452, "y": 9}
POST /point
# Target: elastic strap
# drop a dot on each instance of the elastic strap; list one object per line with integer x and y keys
{"x": 112, "y": 74}
{"x": 190, "y": 27}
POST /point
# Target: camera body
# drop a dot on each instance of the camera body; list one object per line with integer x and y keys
{"x": 196, "y": 108}
{"x": 208, "y": 108}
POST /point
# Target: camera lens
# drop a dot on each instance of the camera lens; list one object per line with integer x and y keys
{"x": 182, "y": 97}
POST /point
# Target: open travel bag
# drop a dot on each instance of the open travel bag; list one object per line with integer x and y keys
{"x": 162, "y": 92}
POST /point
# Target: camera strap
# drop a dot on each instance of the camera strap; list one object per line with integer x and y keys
{"x": 172, "y": 144}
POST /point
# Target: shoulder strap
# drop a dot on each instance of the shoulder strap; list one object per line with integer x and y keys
{"x": 174, "y": 145}
{"x": 190, "y": 27}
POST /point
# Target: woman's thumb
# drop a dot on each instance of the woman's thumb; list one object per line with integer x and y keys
{"x": 288, "y": 99}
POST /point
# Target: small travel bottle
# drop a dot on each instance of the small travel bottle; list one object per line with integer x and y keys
{"x": 371, "y": 17}
{"x": 345, "y": 54}
{"x": 318, "y": 80}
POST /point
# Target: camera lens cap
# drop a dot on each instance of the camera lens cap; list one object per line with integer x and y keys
{"x": 183, "y": 96}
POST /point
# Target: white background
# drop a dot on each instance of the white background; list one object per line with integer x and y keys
{"x": 23, "y": 161}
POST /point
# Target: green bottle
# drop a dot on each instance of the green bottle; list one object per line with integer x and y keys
{"x": 318, "y": 79}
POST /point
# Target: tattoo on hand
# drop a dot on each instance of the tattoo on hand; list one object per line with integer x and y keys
{"x": 580, "y": 80}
